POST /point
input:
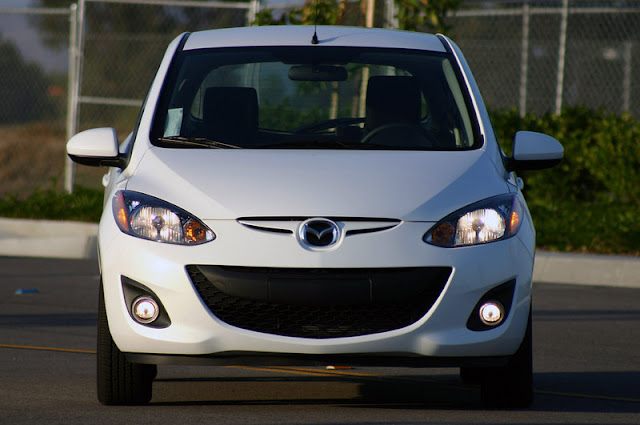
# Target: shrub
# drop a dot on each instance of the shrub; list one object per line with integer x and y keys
{"x": 590, "y": 201}
{"x": 83, "y": 205}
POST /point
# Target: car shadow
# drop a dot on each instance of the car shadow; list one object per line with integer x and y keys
{"x": 554, "y": 392}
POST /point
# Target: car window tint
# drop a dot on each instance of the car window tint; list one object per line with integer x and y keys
{"x": 319, "y": 95}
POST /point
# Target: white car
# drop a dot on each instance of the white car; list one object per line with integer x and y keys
{"x": 287, "y": 199}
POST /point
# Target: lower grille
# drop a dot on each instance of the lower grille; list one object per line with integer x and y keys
{"x": 318, "y": 303}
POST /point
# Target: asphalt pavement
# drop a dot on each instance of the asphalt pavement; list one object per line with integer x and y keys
{"x": 586, "y": 371}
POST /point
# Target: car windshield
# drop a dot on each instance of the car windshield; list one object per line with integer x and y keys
{"x": 314, "y": 98}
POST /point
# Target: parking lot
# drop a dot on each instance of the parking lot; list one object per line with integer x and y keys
{"x": 586, "y": 369}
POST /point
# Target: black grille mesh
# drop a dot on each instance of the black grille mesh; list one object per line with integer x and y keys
{"x": 330, "y": 321}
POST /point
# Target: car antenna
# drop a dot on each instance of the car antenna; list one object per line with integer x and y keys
{"x": 314, "y": 39}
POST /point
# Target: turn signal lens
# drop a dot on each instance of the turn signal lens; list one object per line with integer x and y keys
{"x": 120, "y": 213}
{"x": 443, "y": 235}
{"x": 514, "y": 222}
{"x": 195, "y": 231}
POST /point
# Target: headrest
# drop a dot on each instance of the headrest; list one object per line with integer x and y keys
{"x": 392, "y": 99}
{"x": 231, "y": 113}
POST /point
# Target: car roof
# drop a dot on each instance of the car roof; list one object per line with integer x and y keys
{"x": 300, "y": 35}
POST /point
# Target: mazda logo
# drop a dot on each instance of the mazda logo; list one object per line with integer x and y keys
{"x": 319, "y": 232}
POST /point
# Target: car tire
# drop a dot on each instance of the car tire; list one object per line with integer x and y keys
{"x": 510, "y": 386}
{"x": 119, "y": 381}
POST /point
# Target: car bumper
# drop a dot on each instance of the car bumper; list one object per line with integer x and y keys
{"x": 195, "y": 331}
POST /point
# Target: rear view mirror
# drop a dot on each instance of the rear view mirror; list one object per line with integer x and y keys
{"x": 317, "y": 73}
{"x": 534, "y": 151}
{"x": 96, "y": 147}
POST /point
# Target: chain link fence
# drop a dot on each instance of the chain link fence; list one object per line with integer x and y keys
{"x": 119, "y": 46}
{"x": 122, "y": 45}
{"x": 68, "y": 69}
{"x": 33, "y": 103}
{"x": 540, "y": 57}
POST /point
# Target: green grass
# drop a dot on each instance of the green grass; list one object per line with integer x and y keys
{"x": 82, "y": 205}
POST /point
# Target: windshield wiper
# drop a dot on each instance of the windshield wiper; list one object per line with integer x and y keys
{"x": 332, "y": 144}
{"x": 196, "y": 142}
{"x": 309, "y": 144}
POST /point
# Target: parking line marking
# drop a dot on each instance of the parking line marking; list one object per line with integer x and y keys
{"x": 30, "y": 347}
{"x": 591, "y": 396}
{"x": 328, "y": 372}
{"x": 282, "y": 370}
{"x": 365, "y": 376}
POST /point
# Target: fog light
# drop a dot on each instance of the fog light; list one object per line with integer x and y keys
{"x": 145, "y": 309}
{"x": 492, "y": 313}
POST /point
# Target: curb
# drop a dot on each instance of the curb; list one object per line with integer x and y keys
{"x": 587, "y": 269}
{"x": 74, "y": 240}
{"x": 47, "y": 238}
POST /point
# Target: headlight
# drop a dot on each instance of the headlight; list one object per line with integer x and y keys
{"x": 490, "y": 220}
{"x": 146, "y": 217}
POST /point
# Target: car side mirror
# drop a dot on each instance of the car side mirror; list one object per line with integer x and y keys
{"x": 97, "y": 147}
{"x": 534, "y": 151}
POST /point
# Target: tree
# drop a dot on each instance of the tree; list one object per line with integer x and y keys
{"x": 425, "y": 15}
{"x": 414, "y": 15}
{"x": 323, "y": 12}
{"x": 23, "y": 92}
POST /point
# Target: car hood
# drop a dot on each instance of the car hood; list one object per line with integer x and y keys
{"x": 228, "y": 184}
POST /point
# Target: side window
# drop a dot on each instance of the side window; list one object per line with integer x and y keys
{"x": 458, "y": 119}
{"x": 196, "y": 105}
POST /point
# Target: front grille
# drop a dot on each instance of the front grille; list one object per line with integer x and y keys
{"x": 318, "y": 303}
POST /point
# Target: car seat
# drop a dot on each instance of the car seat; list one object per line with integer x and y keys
{"x": 230, "y": 114}
{"x": 393, "y": 110}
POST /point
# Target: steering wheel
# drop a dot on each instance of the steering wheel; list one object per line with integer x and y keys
{"x": 399, "y": 134}
{"x": 324, "y": 124}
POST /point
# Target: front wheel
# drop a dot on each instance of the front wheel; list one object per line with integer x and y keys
{"x": 120, "y": 382}
{"x": 510, "y": 386}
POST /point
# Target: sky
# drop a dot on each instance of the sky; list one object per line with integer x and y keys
{"x": 26, "y": 3}
{"x": 15, "y": 27}
{"x": 15, "y": 3}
